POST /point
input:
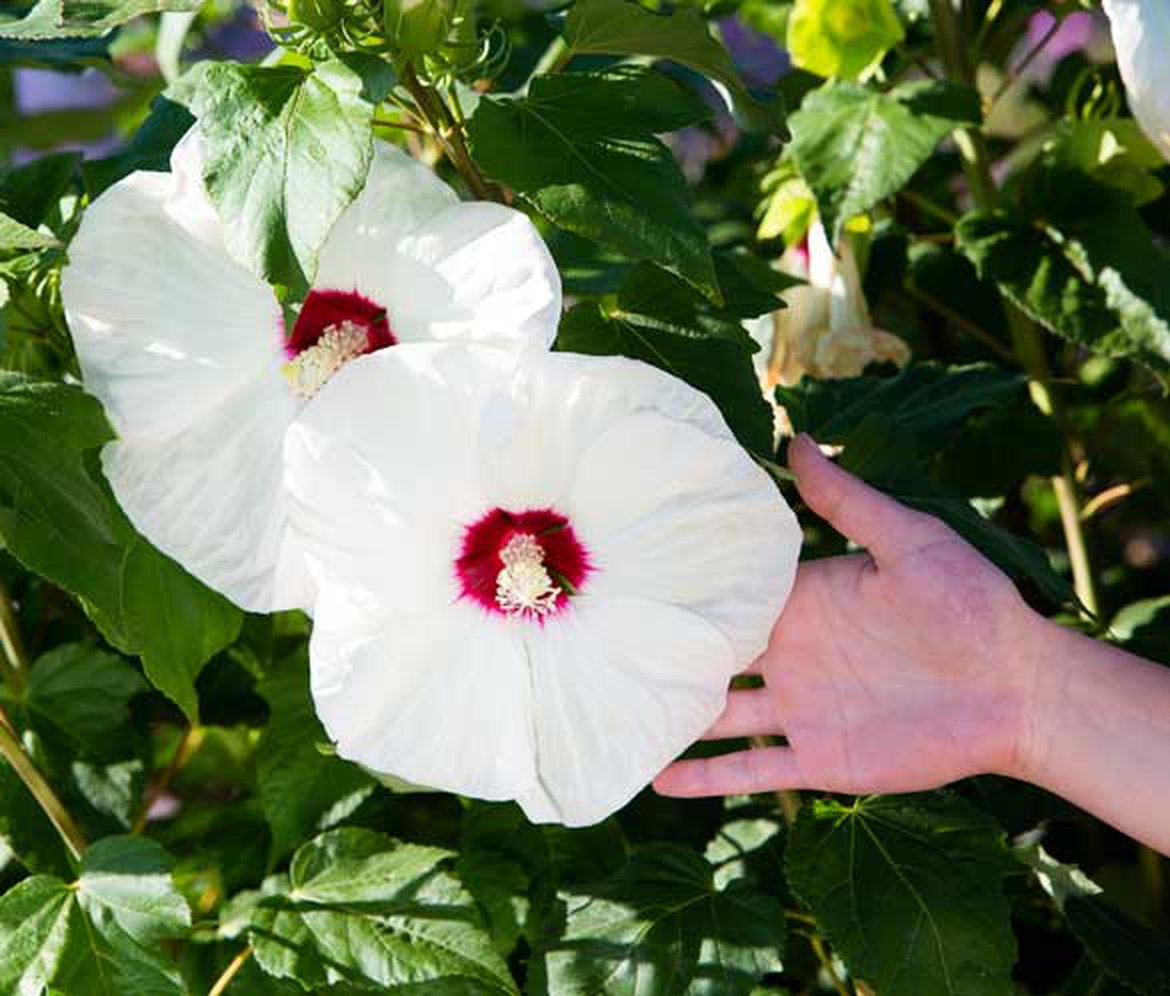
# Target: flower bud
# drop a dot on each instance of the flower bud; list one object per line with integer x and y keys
{"x": 318, "y": 15}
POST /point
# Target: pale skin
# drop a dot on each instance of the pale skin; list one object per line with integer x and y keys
{"x": 918, "y": 664}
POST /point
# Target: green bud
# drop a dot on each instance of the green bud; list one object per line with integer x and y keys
{"x": 417, "y": 27}
{"x": 842, "y": 38}
{"x": 319, "y": 15}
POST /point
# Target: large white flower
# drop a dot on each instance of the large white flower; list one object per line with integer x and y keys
{"x": 539, "y": 589}
{"x": 826, "y": 330}
{"x": 1141, "y": 38}
{"x": 189, "y": 353}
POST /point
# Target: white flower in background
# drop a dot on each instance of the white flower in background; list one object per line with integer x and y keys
{"x": 188, "y": 351}
{"x": 825, "y": 331}
{"x": 1141, "y": 38}
{"x": 541, "y": 588}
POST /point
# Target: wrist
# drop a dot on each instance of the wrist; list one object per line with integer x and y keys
{"x": 1037, "y": 673}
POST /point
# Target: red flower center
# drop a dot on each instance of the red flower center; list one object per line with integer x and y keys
{"x": 324, "y": 310}
{"x": 521, "y": 563}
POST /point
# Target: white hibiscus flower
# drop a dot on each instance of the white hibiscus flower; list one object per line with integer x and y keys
{"x": 541, "y": 590}
{"x": 1141, "y": 38}
{"x": 189, "y": 353}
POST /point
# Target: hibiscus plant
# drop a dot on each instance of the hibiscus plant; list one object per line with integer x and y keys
{"x": 395, "y": 397}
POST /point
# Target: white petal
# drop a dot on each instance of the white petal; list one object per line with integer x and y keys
{"x": 705, "y": 529}
{"x": 621, "y": 687}
{"x": 183, "y": 347}
{"x": 379, "y": 467}
{"x": 440, "y": 699}
{"x": 442, "y": 269}
{"x": 1141, "y": 37}
{"x": 400, "y": 195}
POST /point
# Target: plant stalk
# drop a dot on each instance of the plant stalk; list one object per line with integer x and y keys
{"x": 14, "y": 660}
{"x": 449, "y": 133}
{"x": 1026, "y": 338}
{"x": 14, "y": 754}
{"x": 230, "y": 972}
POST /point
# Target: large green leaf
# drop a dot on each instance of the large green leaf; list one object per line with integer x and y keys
{"x": 362, "y": 909}
{"x": 927, "y": 399}
{"x": 95, "y": 937}
{"x": 59, "y": 520}
{"x": 621, "y": 27}
{"x": 303, "y": 791}
{"x": 29, "y": 193}
{"x": 661, "y": 927}
{"x": 855, "y": 145}
{"x": 280, "y": 183}
{"x": 1078, "y": 258}
{"x": 52, "y": 19}
{"x": 909, "y": 891}
{"x": 581, "y": 149}
{"x": 80, "y": 696}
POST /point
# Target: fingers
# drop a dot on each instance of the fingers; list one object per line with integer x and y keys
{"x": 852, "y": 507}
{"x": 749, "y": 713}
{"x": 742, "y": 773}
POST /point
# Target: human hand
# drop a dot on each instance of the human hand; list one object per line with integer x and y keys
{"x": 893, "y": 671}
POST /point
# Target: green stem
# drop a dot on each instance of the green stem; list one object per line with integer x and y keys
{"x": 229, "y": 973}
{"x": 1026, "y": 337}
{"x": 449, "y": 134}
{"x": 14, "y": 661}
{"x": 22, "y": 764}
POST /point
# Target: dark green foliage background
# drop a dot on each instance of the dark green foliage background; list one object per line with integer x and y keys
{"x": 226, "y": 849}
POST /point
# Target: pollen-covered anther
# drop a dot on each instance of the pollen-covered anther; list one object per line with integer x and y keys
{"x": 524, "y": 584}
{"x": 338, "y": 344}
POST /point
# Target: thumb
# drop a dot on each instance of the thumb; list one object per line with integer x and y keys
{"x": 856, "y": 510}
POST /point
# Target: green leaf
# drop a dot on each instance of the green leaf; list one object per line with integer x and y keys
{"x": 26, "y": 830}
{"x": 842, "y": 38}
{"x": 661, "y": 927}
{"x": 52, "y": 19}
{"x": 364, "y": 909}
{"x": 1078, "y": 258}
{"x": 127, "y": 881}
{"x": 302, "y": 790}
{"x": 855, "y": 146}
{"x": 927, "y": 399}
{"x": 282, "y": 182}
{"x": 909, "y": 891}
{"x": 620, "y": 27}
{"x": 29, "y": 194}
{"x": 720, "y": 368}
{"x": 15, "y": 236}
{"x": 581, "y": 149}
{"x": 60, "y": 521}
{"x": 87, "y": 939}
{"x": 1127, "y": 950}
{"x": 1144, "y": 628}
{"x": 81, "y": 696}
{"x": 149, "y": 149}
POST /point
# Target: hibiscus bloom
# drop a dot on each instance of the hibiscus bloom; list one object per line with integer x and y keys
{"x": 825, "y": 331}
{"x": 190, "y": 354}
{"x": 540, "y": 591}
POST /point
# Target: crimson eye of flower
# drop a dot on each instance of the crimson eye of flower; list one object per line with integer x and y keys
{"x": 526, "y": 564}
{"x": 333, "y": 327}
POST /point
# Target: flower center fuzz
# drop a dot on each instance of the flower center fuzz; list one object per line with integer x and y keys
{"x": 333, "y": 327}
{"x": 524, "y": 584}
{"x": 521, "y": 564}
{"x": 308, "y": 372}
